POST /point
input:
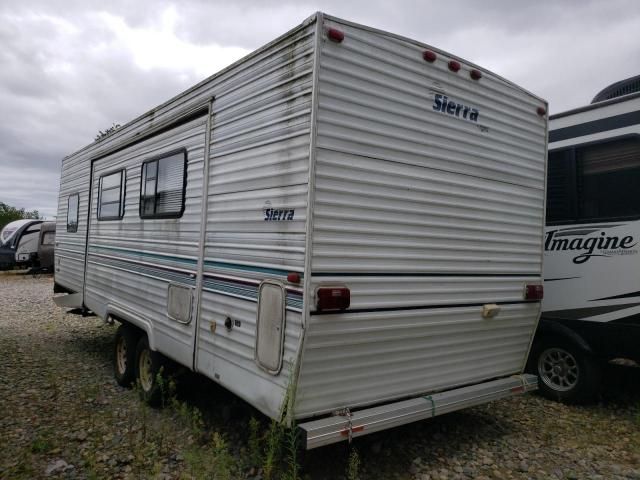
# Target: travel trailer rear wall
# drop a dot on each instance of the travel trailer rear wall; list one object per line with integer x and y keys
{"x": 344, "y": 228}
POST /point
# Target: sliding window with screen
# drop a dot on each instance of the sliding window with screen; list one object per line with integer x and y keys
{"x": 162, "y": 188}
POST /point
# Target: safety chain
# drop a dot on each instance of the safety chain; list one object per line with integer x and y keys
{"x": 345, "y": 412}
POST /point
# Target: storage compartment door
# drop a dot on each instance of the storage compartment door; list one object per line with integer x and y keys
{"x": 270, "y": 326}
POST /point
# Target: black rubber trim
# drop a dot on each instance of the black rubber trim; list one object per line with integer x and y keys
{"x": 595, "y": 126}
{"x": 419, "y": 307}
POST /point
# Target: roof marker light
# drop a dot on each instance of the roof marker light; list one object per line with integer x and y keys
{"x": 429, "y": 56}
{"x": 475, "y": 74}
{"x": 541, "y": 111}
{"x": 335, "y": 35}
{"x": 454, "y": 66}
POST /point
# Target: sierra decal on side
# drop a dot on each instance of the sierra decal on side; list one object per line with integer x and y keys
{"x": 442, "y": 103}
{"x": 277, "y": 215}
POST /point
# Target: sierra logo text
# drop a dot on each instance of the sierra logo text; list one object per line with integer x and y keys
{"x": 442, "y": 103}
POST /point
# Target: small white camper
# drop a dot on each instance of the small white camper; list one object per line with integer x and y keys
{"x": 344, "y": 228}
{"x": 591, "y": 310}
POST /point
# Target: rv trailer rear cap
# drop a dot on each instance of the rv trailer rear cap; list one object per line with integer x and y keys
{"x": 533, "y": 292}
{"x": 333, "y": 298}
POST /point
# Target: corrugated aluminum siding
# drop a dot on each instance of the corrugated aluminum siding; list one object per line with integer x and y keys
{"x": 132, "y": 261}
{"x": 259, "y": 159}
{"x": 417, "y": 208}
{"x": 70, "y": 246}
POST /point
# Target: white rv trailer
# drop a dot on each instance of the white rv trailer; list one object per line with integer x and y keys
{"x": 19, "y": 243}
{"x": 345, "y": 220}
{"x": 591, "y": 309}
{"x": 27, "y": 248}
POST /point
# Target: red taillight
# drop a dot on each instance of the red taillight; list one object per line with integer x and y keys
{"x": 533, "y": 292}
{"x": 454, "y": 66}
{"x": 333, "y": 298}
{"x": 293, "y": 277}
{"x": 335, "y": 35}
{"x": 429, "y": 56}
{"x": 541, "y": 111}
{"x": 475, "y": 74}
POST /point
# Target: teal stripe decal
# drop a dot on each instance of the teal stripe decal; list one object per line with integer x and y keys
{"x": 193, "y": 261}
{"x": 247, "y": 268}
{"x": 127, "y": 251}
{"x": 223, "y": 286}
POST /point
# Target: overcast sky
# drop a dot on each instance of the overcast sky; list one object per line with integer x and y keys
{"x": 69, "y": 68}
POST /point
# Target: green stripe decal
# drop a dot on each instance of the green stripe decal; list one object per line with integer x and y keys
{"x": 193, "y": 261}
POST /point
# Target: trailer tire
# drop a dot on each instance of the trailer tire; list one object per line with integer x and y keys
{"x": 566, "y": 372}
{"x": 124, "y": 353}
{"x": 149, "y": 367}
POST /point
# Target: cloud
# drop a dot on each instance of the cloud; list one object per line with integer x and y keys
{"x": 73, "y": 67}
{"x": 66, "y": 78}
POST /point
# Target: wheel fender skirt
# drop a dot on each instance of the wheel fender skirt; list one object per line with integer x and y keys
{"x": 555, "y": 328}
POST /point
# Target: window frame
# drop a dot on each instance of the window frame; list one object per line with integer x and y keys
{"x": 75, "y": 229}
{"x": 573, "y": 195}
{"x": 157, "y": 158}
{"x": 122, "y": 195}
{"x": 46, "y": 234}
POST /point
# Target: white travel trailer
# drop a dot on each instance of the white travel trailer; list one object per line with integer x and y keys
{"x": 27, "y": 249}
{"x": 19, "y": 243}
{"x": 591, "y": 309}
{"x": 344, "y": 228}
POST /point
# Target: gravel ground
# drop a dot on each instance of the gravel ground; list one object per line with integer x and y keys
{"x": 62, "y": 416}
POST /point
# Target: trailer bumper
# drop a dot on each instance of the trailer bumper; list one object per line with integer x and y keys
{"x": 325, "y": 431}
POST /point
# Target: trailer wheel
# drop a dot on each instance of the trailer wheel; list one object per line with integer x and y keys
{"x": 148, "y": 367}
{"x": 124, "y": 354}
{"x": 566, "y": 373}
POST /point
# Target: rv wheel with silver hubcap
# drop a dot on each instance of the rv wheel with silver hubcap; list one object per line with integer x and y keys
{"x": 565, "y": 371}
{"x": 558, "y": 369}
{"x": 124, "y": 355}
{"x": 148, "y": 366}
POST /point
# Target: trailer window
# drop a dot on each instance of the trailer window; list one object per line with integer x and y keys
{"x": 162, "y": 188}
{"x": 111, "y": 196}
{"x": 48, "y": 238}
{"x": 73, "y": 203}
{"x": 596, "y": 182}
{"x": 608, "y": 179}
{"x": 561, "y": 186}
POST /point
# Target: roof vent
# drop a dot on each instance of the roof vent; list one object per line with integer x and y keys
{"x": 618, "y": 89}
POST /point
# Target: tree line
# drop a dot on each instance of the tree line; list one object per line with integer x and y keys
{"x": 8, "y": 214}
